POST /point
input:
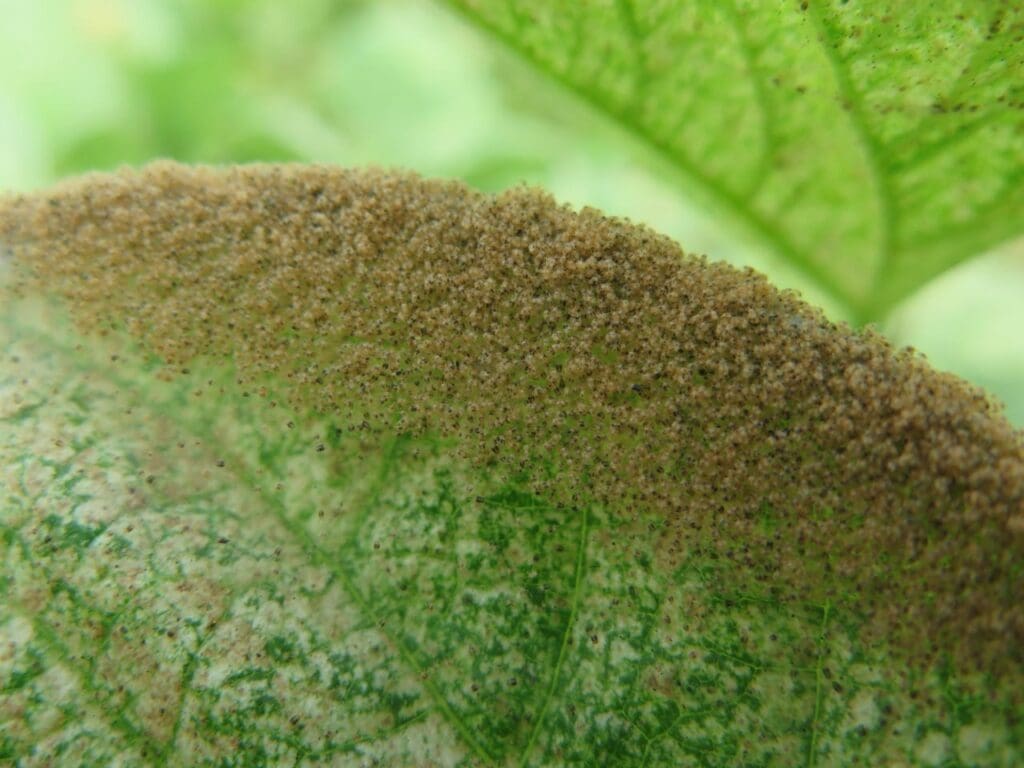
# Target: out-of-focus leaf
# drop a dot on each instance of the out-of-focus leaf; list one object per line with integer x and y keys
{"x": 873, "y": 145}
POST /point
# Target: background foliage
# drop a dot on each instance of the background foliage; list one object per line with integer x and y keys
{"x": 96, "y": 83}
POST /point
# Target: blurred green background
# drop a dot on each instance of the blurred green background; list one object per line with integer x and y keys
{"x": 95, "y": 84}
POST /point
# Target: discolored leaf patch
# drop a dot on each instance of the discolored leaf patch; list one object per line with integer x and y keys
{"x": 420, "y": 475}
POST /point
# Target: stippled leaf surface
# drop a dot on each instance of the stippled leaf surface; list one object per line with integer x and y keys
{"x": 191, "y": 579}
{"x": 871, "y": 145}
{"x": 201, "y": 567}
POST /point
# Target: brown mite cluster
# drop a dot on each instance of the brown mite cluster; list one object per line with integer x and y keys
{"x": 586, "y": 355}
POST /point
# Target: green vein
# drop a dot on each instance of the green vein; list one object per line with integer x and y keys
{"x": 854, "y": 107}
{"x": 570, "y": 624}
{"x": 388, "y": 461}
{"x": 86, "y": 675}
{"x": 984, "y": 54}
{"x": 769, "y": 136}
{"x": 922, "y": 153}
{"x": 812, "y": 746}
{"x": 187, "y": 677}
{"x": 319, "y": 557}
{"x": 918, "y": 152}
{"x": 627, "y": 13}
{"x": 407, "y": 653}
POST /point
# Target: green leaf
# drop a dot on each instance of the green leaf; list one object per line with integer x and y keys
{"x": 871, "y": 145}
{"x": 263, "y": 501}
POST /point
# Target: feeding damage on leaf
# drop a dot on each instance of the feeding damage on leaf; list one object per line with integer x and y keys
{"x": 713, "y": 426}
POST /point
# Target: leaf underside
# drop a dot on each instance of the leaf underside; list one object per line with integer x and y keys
{"x": 228, "y": 539}
{"x": 187, "y": 581}
{"x": 870, "y": 145}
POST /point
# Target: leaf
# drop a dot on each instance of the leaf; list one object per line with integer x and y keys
{"x": 264, "y": 501}
{"x": 871, "y": 145}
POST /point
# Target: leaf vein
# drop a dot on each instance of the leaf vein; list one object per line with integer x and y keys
{"x": 853, "y": 105}
{"x": 570, "y": 625}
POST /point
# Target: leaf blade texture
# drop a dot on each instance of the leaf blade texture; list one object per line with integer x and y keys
{"x": 314, "y": 471}
{"x": 871, "y": 146}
